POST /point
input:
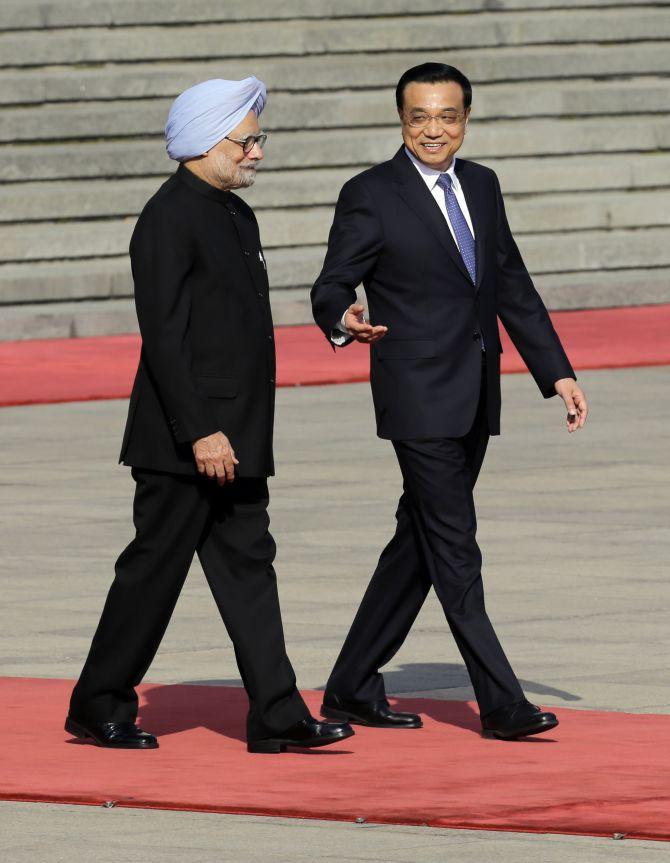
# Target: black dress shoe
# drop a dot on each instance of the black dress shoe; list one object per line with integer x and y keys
{"x": 375, "y": 714}
{"x": 113, "y": 735}
{"x": 306, "y": 734}
{"x": 517, "y": 720}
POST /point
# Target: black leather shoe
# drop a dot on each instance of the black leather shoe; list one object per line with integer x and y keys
{"x": 517, "y": 720}
{"x": 306, "y": 734}
{"x": 375, "y": 714}
{"x": 113, "y": 735}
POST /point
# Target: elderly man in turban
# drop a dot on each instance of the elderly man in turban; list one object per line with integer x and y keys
{"x": 199, "y": 434}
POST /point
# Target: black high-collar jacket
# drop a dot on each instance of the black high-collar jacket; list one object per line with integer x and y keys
{"x": 208, "y": 359}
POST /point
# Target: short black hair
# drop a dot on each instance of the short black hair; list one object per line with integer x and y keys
{"x": 433, "y": 73}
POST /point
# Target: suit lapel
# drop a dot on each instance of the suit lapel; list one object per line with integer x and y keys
{"x": 414, "y": 192}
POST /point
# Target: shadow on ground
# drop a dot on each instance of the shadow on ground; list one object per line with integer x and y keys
{"x": 174, "y": 708}
{"x": 427, "y": 677}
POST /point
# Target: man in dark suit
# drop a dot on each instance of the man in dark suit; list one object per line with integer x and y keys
{"x": 199, "y": 434}
{"x": 427, "y": 236}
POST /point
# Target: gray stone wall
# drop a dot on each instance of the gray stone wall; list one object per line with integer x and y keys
{"x": 571, "y": 108}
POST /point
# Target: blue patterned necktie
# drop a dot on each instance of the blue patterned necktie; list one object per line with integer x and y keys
{"x": 464, "y": 239}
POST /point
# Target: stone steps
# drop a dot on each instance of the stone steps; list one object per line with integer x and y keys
{"x": 87, "y": 45}
{"x": 326, "y": 110}
{"x": 576, "y": 290}
{"x": 351, "y": 71}
{"x": 544, "y": 254}
{"x": 571, "y": 108}
{"x": 310, "y": 225}
{"x": 94, "y": 198}
{"x": 339, "y": 147}
{"x": 67, "y": 320}
{"x": 42, "y": 281}
{"x": 35, "y": 14}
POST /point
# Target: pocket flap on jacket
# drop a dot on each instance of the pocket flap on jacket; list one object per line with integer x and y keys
{"x": 404, "y": 349}
{"x": 223, "y": 388}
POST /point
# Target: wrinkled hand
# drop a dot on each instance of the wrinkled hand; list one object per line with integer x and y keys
{"x": 359, "y": 328}
{"x": 215, "y": 457}
{"x": 575, "y": 402}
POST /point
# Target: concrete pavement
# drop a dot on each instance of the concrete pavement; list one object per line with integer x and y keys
{"x": 575, "y": 539}
{"x": 38, "y": 833}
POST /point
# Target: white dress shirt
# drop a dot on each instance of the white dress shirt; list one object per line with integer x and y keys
{"x": 430, "y": 176}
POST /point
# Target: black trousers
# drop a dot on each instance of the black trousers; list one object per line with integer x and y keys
{"x": 434, "y": 546}
{"x": 175, "y": 517}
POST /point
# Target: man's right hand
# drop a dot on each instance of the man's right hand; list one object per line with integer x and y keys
{"x": 359, "y": 328}
{"x": 215, "y": 457}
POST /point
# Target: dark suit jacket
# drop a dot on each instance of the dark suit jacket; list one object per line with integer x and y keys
{"x": 389, "y": 234}
{"x": 207, "y": 360}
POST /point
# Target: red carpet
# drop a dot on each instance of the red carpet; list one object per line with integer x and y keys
{"x": 60, "y": 370}
{"x": 597, "y": 774}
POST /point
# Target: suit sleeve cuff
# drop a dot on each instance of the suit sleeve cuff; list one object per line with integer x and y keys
{"x": 339, "y": 335}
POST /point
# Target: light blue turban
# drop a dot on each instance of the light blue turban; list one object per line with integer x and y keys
{"x": 204, "y": 114}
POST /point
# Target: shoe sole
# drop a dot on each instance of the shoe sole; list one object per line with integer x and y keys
{"x": 352, "y": 719}
{"x": 524, "y": 732}
{"x": 80, "y": 731}
{"x": 275, "y": 745}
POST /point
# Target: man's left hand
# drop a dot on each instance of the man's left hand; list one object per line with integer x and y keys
{"x": 575, "y": 402}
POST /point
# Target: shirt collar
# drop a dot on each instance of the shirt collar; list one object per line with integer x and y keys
{"x": 429, "y": 175}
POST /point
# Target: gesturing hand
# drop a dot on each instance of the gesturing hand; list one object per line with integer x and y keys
{"x": 215, "y": 457}
{"x": 575, "y": 402}
{"x": 359, "y": 328}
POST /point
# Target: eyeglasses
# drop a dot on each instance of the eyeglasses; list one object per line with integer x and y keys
{"x": 249, "y": 142}
{"x": 420, "y": 119}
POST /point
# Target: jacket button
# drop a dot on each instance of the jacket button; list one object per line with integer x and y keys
{"x": 261, "y": 294}
{"x": 270, "y": 338}
{"x": 476, "y": 336}
{"x": 272, "y": 380}
{"x": 246, "y": 252}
